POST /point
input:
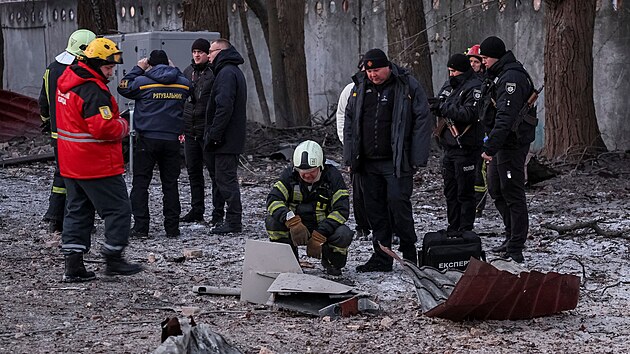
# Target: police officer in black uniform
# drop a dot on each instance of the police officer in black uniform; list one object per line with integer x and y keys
{"x": 461, "y": 140}
{"x": 504, "y": 94}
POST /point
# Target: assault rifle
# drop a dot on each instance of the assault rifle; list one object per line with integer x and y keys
{"x": 524, "y": 115}
{"x": 445, "y": 121}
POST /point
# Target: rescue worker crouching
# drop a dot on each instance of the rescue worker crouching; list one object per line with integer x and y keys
{"x": 309, "y": 206}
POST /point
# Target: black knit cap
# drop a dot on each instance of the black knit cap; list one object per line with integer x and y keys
{"x": 492, "y": 47}
{"x": 459, "y": 62}
{"x": 202, "y": 45}
{"x": 375, "y": 58}
{"x": 157, "y": 57}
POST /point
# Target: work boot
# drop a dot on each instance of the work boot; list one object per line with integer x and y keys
{"x": 374, "y": 265}
{"x": 55, "y": 226}
{"x": 216, "y": 221}
{"x": 516, "y": 256}
{"x": 115, "y": 264}
{"x": 192, "y": 217}
{"x": 500, "y": 248}
{"x": 330, "y": 269}
{"x": 226, "y": 228}
{"x": 75, "y": 269}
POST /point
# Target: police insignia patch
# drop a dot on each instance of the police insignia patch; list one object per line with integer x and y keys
{"x": 123, "y": 84}
{"x": 106, "y": 112}
{"x": 476, "y": 94}
{"x": 510, "y": 87}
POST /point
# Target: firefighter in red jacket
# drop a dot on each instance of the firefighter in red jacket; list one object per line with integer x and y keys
{"x": 90, "y": 132}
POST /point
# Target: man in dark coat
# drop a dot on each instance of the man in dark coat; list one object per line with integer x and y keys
{"x": 224, "y": 137}
{"x": 504, "y": 94}
{"x": 201, "y": 76}
{"x": 387, "y": 137}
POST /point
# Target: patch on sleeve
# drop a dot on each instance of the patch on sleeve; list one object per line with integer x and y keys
{"x": 476, "y": 94}
{"x": 106, "y": 112}
{"x": 510, "y": 87}
{"x": 123, "y": 84}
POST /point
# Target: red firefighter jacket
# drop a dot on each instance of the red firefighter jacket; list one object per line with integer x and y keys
{"x": 89, "y": 127}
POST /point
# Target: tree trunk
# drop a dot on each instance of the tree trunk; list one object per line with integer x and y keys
{"x": 570, "y": 123}
{"x": 291, "y": 22}
{"x": 408, "y": 45}
{"x": 254, "y": 64}
{"x": 258, "y": 8}
{"x": 280, "y": 93}
{"x": 98, "y": 16}
{"x": 211, "y": 15}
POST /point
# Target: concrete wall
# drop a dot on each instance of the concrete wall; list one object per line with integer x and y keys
{"x": 334, "y": 39}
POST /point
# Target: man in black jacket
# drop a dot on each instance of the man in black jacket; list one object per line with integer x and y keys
{"x": 461, "y": 141}
{"x": 387, "y": 137}
{"x": 202, "y": 78}
{"x": 505, "y": 93}
{"x": 224, "y": 136}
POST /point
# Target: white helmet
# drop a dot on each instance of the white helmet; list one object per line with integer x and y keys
{"x": 308, "y": 155}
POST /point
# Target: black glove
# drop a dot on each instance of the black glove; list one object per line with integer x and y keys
{"x": 434, "y": 105}
{"x": 45, "y": 127}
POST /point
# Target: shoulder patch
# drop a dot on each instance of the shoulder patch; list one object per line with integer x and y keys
{"x": 123, "y": 84}
{"x": 476, "y": 94}
{"x": 510, "y": 87}
{"x": 106, "y": 112}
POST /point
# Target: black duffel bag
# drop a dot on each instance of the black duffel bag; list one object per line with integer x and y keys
{"x": 450, "y": 250}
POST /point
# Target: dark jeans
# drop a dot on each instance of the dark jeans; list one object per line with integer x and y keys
{"x": 506, "y": 184}
{"x": 195, "y": 161}
{"x": 458, "y": 172}
{"x": 108, "y": 196}
{"x": 225, "y": 176}
{"x": 388, "y": 207}
{"x": 358, "y": 203}
{"x": 165, "y": 153}
{"x": 57, "y": 199}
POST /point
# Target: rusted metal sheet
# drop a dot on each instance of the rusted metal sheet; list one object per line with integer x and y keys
{"x": 19, "y": 116}
{"x": 485, "y": 292}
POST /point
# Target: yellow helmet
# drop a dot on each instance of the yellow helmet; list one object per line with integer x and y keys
{"x": 78, "y": 41}
{"x": 104, "y": 49}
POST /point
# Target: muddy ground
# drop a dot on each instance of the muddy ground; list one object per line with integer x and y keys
{"x": 123, "y": 314}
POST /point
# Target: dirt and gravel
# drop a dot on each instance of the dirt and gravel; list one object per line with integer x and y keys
{"x": 123, "y": 314}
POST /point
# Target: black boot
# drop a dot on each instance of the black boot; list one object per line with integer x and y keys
{"x": 75, "y": 269}
{"x": 117, "y": 265}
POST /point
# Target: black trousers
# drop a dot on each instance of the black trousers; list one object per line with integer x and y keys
{"x": 388, "y": 207}
{"x": 506, "y": 184}
{"x": 108, "y": 196}
{"x": 195, "y": 161}
{"x": 57, "y": 199}
{"x": 225, "y": 176}
{"x": 358, "y": 203}
{"x": 165, "y": 153}
{"x": 458, "y": 172}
